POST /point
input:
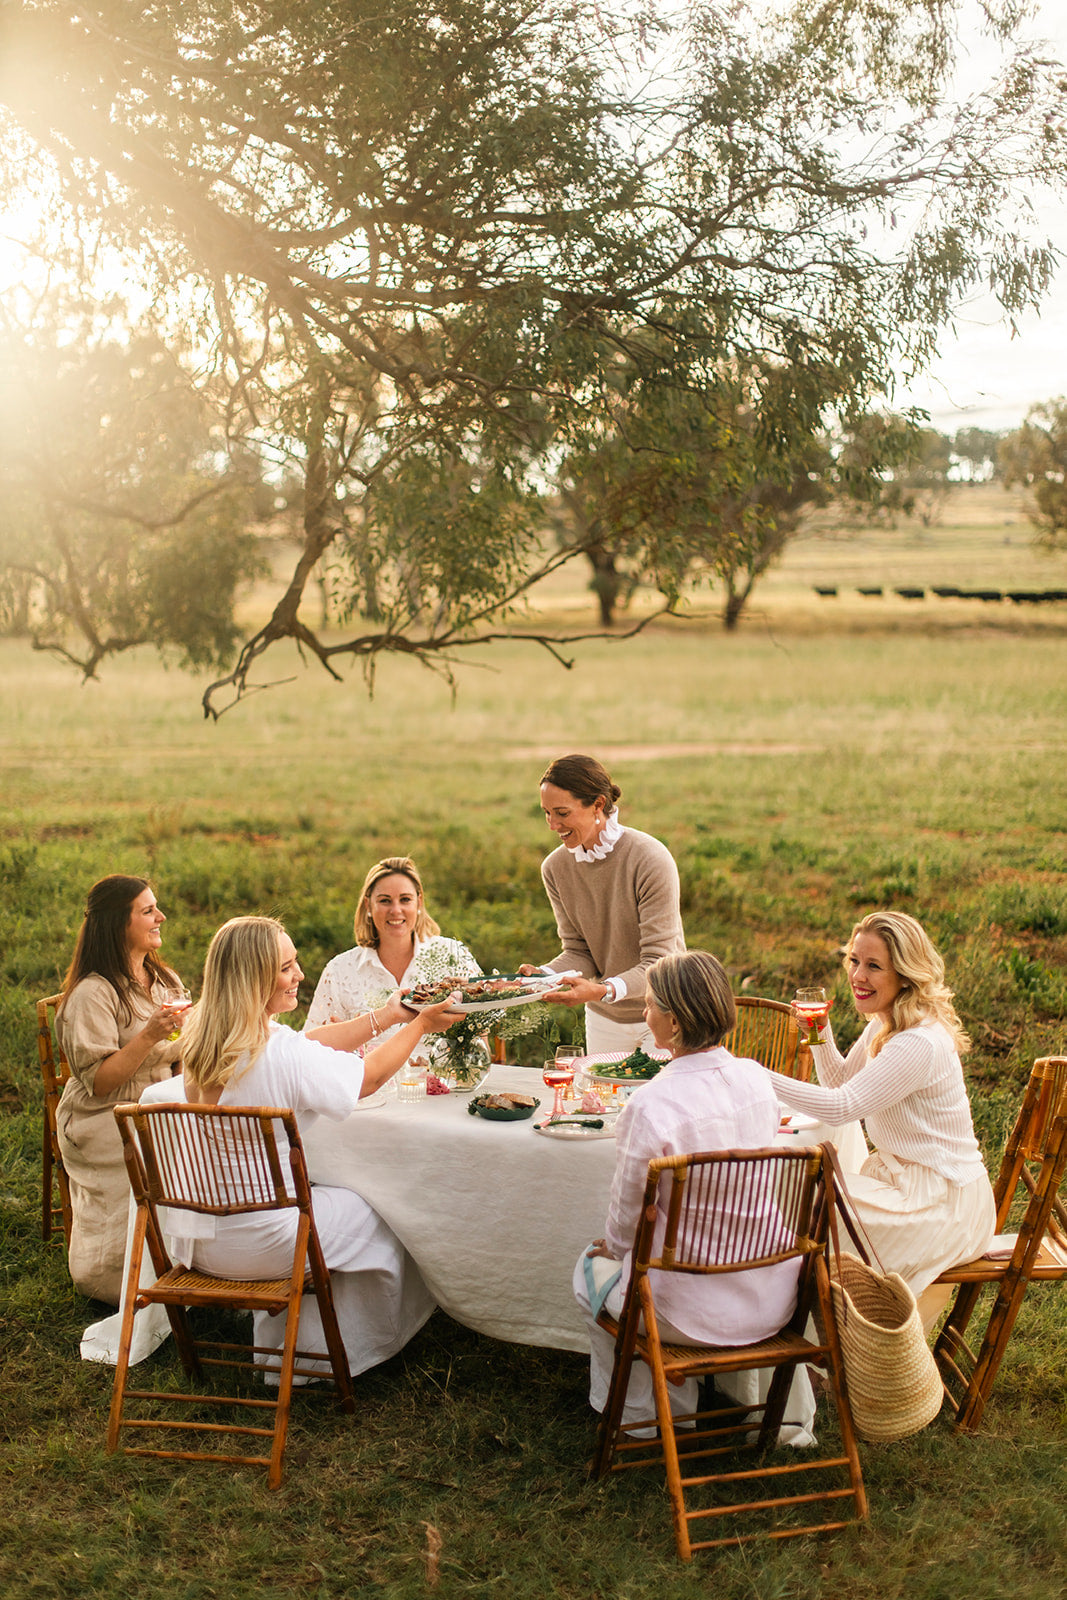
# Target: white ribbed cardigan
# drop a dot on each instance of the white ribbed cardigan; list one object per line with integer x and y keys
{"x": 911, "y": 1096}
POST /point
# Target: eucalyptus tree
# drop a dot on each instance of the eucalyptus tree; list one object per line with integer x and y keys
{"x": 1035, "y": 456}
{"x": 417, "y": 240}
{"x": 122, "y": 521}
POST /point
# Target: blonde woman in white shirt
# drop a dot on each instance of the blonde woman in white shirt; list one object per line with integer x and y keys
{"x": 235, "y": 1053}
{"x": 923, "y": 1195}
{"x": 398, "y": 944}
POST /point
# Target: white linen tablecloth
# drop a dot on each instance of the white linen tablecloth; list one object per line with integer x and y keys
{"x": 494, "y": 1214}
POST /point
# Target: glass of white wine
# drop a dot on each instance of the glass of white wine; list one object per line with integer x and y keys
{"x": 177, "y": 1000}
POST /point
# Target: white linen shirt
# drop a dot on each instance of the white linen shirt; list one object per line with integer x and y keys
{"x": 711, "y": 1100}
{"x": 911, "y": 1095}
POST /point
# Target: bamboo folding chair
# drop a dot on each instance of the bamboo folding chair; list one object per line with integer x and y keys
{"x": 55, "y": 1070}
{"x": 767, "y": 1031}
{"x": 734, "y": 1211}
{"x": 220, "y": 1162}
{"x": 1035, "y": 1157}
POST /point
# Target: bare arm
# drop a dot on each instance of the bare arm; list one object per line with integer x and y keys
{"x": 389, "y": 1056}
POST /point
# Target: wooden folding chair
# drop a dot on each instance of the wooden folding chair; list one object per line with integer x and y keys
{"x": 734, "y": 1211}
{"x": 1035, "y": 1157}
{"x": 220, "y": 1162}
{"x": 767, "y": 1031}
{"x": 55, "y": 1070}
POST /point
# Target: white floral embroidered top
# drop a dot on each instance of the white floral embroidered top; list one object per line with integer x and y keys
{"x": 356, "y": 981}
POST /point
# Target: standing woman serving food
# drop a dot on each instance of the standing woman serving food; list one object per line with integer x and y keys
{"x": 923, "y": 1195}
{"x": 615, "y": 895}
{"x": 119, "y": 1032}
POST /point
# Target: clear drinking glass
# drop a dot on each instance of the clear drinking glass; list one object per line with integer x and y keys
{"x": 177, "y": 1000}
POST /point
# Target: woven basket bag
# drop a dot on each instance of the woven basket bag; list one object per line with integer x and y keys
{"x": 894, "y": 1388}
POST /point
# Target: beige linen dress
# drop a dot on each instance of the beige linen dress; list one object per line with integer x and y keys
{"x": 92, "y": 1024}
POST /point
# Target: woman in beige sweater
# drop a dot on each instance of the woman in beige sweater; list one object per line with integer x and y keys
{"x": 615, "y": 895}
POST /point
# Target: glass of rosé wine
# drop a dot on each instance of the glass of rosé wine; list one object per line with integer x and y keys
{"x": 813, "y": 1008}
{"x": 558, "y": 1075}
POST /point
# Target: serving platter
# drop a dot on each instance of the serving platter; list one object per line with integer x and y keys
{"x": 479, "y": 994}
{"x": 599, "y": 1067}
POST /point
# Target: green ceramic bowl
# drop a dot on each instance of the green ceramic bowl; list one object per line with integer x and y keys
{"x": 478, "y": 1107}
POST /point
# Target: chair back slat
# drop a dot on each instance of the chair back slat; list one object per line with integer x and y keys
{"x": 767, "y": 1031}
{"x": 729, "y": 1210}
{"x": 1049, "y": 1079}
{"x": 55, "y": 1068}
{"x": 219, "y": 1161}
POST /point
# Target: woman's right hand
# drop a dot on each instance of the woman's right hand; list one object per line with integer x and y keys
{"x": 435, "y": 1019}
{"x": 164, "y": 1021}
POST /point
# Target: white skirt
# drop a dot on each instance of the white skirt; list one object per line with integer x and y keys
{"x": 918, "y": 1222}
{"x": 378, "y": 1292}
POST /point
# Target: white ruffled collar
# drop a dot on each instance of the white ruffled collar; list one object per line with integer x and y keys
{"x": 609, "y": 838}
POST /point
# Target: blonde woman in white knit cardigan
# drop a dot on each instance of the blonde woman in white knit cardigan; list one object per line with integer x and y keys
{"x": 615, "y": 895}
{"x": 923, "y": 1195}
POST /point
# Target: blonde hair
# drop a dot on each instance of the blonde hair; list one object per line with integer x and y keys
{"x": 363, "y": 926}
{"x": 924, "y": 995}
{"x": 693, "y": 986}
{"x": 230, "y": 1018}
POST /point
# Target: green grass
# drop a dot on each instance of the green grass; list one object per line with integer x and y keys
{"x": 803, "y": 772}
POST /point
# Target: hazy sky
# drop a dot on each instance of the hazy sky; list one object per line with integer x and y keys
{"x": 984, "y": 378}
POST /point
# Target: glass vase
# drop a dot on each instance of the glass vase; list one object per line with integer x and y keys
{"x": 463, "y": 1071}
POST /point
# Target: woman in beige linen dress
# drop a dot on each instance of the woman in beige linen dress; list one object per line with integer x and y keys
{"x": 119, "y": 1033}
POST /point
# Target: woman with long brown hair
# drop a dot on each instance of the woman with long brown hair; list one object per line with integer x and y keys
{"x": 117, "y": 1027}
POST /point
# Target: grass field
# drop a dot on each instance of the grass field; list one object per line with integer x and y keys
{"x": 831, "y": 757}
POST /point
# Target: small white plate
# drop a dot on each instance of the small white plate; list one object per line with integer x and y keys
{"x": 378, "y": 1098}
{"x": 574, "y": 1130}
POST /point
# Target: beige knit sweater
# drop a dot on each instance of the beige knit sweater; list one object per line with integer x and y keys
{"x": 616, "y": 916}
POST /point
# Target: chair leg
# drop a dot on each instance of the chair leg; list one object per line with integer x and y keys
{"x": 46, "y": 1181}
{"x": 668, "y": 1442}
{"x": 835, "y": 1367}
{"x": 611, "y": 1416}
{"x": 998, "y": 1331}
{"x": 122, "y": 1363}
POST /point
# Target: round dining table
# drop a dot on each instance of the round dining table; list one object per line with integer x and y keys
{"x": 494, "y": 1214}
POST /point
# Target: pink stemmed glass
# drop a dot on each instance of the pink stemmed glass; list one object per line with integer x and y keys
{"x": 557, "y": 1075}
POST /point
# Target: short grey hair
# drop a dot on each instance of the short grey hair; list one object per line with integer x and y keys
{"x": 694, "y": 988}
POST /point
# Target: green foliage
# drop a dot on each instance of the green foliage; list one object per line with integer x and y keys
{"x": 413, "y": 254}
{"x": 118, "y": 525}
{"x": 1035, "y": 455}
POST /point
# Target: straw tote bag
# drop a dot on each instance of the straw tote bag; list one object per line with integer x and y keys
{"x": 894, "y": 1388}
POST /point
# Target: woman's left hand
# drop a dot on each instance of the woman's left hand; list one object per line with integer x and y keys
{"x": 576, "y": 992}
{"x": 599, "y": 1248}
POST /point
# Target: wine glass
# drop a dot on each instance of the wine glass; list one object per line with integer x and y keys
{"x": 557, "y": 1075}
{"x": 813, "y": 1007}
{"x": 176, "y": 1000}
{"x": 568, "y": 1054}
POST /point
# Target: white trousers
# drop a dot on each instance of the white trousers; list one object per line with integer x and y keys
{"x": 601, "y": 1034}
{"x": 744, "y": 1388}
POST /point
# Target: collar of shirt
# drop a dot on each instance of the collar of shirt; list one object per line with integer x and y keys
{"x": 605, "y": 844}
